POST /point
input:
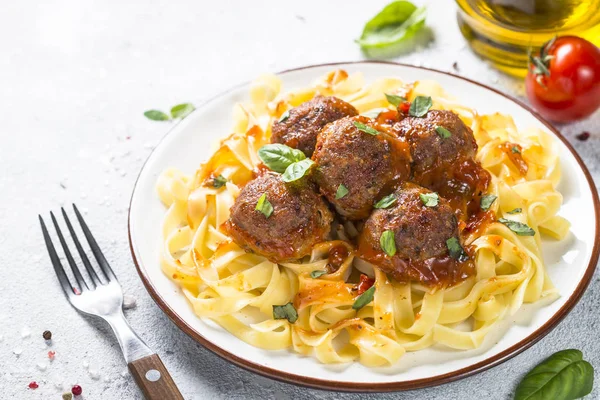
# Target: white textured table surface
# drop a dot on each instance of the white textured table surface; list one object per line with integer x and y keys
{"x": 75, "y": 77}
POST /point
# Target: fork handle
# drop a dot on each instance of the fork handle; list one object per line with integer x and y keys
{"x": 153, "y": 378}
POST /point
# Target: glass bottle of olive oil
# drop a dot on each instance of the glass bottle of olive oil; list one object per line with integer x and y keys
{"x": 502, "y": 31}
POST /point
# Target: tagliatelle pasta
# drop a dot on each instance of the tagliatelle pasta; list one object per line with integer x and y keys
{"x": 238, "y": 290}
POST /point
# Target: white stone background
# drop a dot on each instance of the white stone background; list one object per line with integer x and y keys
{"x": 75, "y": 78}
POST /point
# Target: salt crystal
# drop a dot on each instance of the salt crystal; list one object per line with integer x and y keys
{"x": 129, "y": 302}
{"x": 124, "y": 373}
{"x": 83, "y": 195}
{"x": 41, "y": 366}
{"x": 123, "y": 173}
{"x": 107, "y": 379}
{"x": 17, "y": 351}
{"x": 86, "y": 364}
{"x": 94, "y": 374}
{"x": 58, "y": 385}
{"x": 25, "y": 332}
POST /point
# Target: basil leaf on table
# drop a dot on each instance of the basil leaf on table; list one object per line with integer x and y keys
{"x": 182, "y": 110}
{"x": 278, "y": 156}
{"x": 297, "y": 170}
{"x": 156, "y": 115}
{"x": 397, "y": 22}
{"x": 562, "y": 376}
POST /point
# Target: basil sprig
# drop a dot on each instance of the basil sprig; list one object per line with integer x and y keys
{"x": 286, "y": 311}
{"x": 374, "y": 113}
{"x": 455, "y": 250}
{"x": 387, "y": 241}
{"x": 278, "y": 156}
{"x": 517, "y": 227}
{"x": 179, "y": 111}
{"x": 391, "y": 28}
{"x": 284, "y": 116}
{"x": 317, "y": 273}
{"x": 219, "y": 181}
{"x": 419, "y": 106}
{"x": 297, "y": 170}
{"x": 366, "y": 128}
{"x": 394, "y": 100}
{"x": 386, "y": 202}
{"x": 565, "y": 375}
{"x": 486, "y": 201}
{"x": 264, "y": 206}
{"x": 364, "y": 298}
{"x": 515, "y": 211}
{"x": 443, "y": 132}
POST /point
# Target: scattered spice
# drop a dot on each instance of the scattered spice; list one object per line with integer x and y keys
{"x": 455, "y": 66}
{"x": 51, "y": 355}
{"x": 33, "y": 385}
{"x": 67, "y": 396}
{"x": 62, "y": 185}
{"x": 76, "y": 390}
{"x": 47, "y": 335}
{"x": 76, "y": 291}
{"x": 583, "y": 136}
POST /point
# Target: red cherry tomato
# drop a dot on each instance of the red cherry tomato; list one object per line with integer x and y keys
{"x": 563, "y": 82}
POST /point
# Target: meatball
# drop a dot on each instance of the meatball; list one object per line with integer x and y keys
{"x": 355, "y": 168}
{"x": 431, "y": 152}
{"x": 299, "y": 220}
{"x": 300, "y": 129}
{"x": 420, "y": 235}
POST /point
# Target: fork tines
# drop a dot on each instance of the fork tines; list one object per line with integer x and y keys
{"x": 82, "y": 285}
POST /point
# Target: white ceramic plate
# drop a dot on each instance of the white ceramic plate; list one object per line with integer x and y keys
{"x": 570, "y": 262}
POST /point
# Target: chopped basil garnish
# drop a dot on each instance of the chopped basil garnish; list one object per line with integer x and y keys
{"x": 517, "y": 227}
{"x": 456, "y": 250}
{"x": 278, "y": 156}
{"x": 388, "y": 243}
{"x": 284, "y": 116}
{"x": 516, "y": 150}
{"x": 341, "y": 191}
{"x": 219, "y": 181}
{"x": 443, "y": 132}
{"x": 156, "y": 115}
{"x": 374, "y": 113}
{"x": 365, "y": 128}
{"x": 430, "y": 199}
{"x": 182, "y": 110}
{"x": 515, "y": 211}
{"x": 364, "y": 298}
{"x": 394, "y": 99}
{"x": 420, "y": 106}
{"x": 317, "y": 273}
{"x": 264, "y": 206}
{"x": 386, "y": 201}
{"x": 297, "y": 170}
{"x": 486, "y": 201}
{"x": 286, "y": 311}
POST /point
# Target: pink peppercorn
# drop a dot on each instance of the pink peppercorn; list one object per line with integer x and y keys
{"x": 33, "y": 385}
{"x": 76, "y": 390}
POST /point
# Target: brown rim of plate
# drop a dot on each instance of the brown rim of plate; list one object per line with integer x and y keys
{"x": 405, "y": 385}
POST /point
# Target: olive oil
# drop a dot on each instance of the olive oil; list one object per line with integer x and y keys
{"x": 502, "y": 31}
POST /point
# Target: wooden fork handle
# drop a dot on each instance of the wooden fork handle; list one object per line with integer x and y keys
{"x": 153, "y": 378}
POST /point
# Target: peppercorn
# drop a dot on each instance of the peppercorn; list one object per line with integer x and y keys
{"x": 47, "y": 335}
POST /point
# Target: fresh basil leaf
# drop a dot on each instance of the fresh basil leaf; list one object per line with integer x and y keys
{"x": 365, "y": 128}
{"x": 516, "y": 150}
{"x": 364, "y": 298}
{"x": 374, "y": 113}
{"x": 565, "y": 375}
{"x": 515, "y": 211}
{"x": 388, "y": 243}
{"x": 455, "y": 250}
{"x": 397, "y": 22}
{"x": 430, "y": 199}
{"x": 219, "y": 181}
{"x": 387, "y": 201}
{"x": 341, "y": 191}
{"x": 297, "y": 170}
{"x": 278, "y": 156}
{"x": 517, "y": 227}
{"x": 317, "y": 273}
{"x": 486, "y": 201}
{"x": 394, "y": 100}
{"x": 443, "y": 132}
{"x": 420, "y": 106}
{"x": 156, "y": 115}
{"x": 284, "y": 116}
{"x": 286, "y": 311}
{"x": 264, "y": 206}
{"x": 182, "y": 110}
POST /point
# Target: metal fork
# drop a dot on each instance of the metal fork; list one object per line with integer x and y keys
{"x": 103, "y": 297}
